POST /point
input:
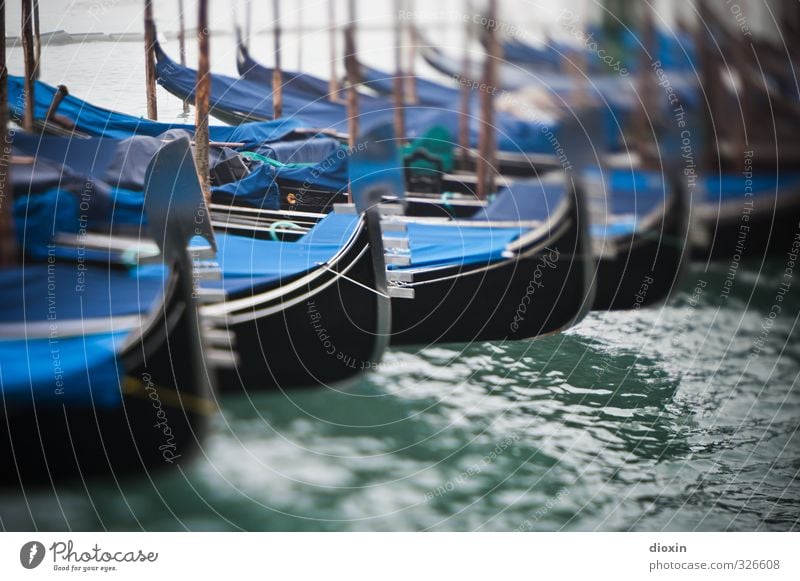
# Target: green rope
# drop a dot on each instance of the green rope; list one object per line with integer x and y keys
{"x": 281, "y": 224}
{"x": 273, "y": 162}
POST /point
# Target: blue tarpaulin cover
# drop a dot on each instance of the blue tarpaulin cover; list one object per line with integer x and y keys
{"x": 673, "y": 49}
{"x": 60, "y": 289}
{"x": 524, "y": 200}
{"x": 251, "y": 70}
{"x": 615, "y": 91}
{"x": 469, "y": 242}
{"x": 456, "y": 245}
{"x": 67, "y": 371}
{"x": 115, "y": 168}
{"x": 112, "y": 172}
{"x": 332, "y": 172}
{"x": 100, "y": 122}
{"x": 67, "y": 190}
{"x": 60, "y": 367}
{"x": 253, "y": 99}
{"x": 300, "y": 150}
{"x": 249, "y": 263}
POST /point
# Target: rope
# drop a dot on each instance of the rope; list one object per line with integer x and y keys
{"x": 355, "y": 282}
{"x": 273, "y": 162}
{"x": 281, "y": 224}
{"x": 132, "y": 386}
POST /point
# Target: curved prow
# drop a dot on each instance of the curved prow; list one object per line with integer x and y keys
{"x": 237, "y": 33}
{"x": 376, "y": 167}
{"x": 176, "y": 214}
{"x": 578, "y": 135}
{"x": 242, "y": 53}
{"x": 176, "y": 209}
{"x": 376, "y": 176}
{"x": 680, "y": 199}
{"x": 159, "y": 52}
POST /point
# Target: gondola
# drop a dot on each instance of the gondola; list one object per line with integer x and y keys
{"x": 628, "y": 255}
{"x": 746, "y": 216}
{"x": 235, "y": 101}
{"x": 673, "y": 49}
{"x": 550, "y": 215}
{"x": 515, "y": 78}
{"x": 312, "y": 311}
{"x": 279, "y": 306}
{"x": 513, "y": 157}
{"x": 732, "y": 214}
{"x": 472, "y": 277}
{"x": 101, "y": 364}
{"x": 639, "y": 234}
{"x": 251, "y": 70}
{"x": 639, "y": 230}
{"x": 56, "y": 112}
{"x": 466, "y": 279}
{"x": 520, "y": 268}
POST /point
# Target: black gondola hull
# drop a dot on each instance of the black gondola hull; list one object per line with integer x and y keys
{"x": 159, "y": 425}
{"x": 646, "y": 266}
{"x": 321, "y": 328}
{"x": 642, "y": 270}
{"x": 545, "y": 288}
{"x": 746, "y": 228}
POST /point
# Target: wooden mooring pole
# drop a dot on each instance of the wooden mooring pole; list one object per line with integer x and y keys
{"x": 201, "y": 100}
{"x": 150, "y": 60}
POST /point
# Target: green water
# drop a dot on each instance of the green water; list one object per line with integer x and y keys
{"x": 662, "y": 419}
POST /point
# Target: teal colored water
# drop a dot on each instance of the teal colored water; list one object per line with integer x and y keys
{"x": 681, "y": 417}
{"x": 662, "y": 419}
